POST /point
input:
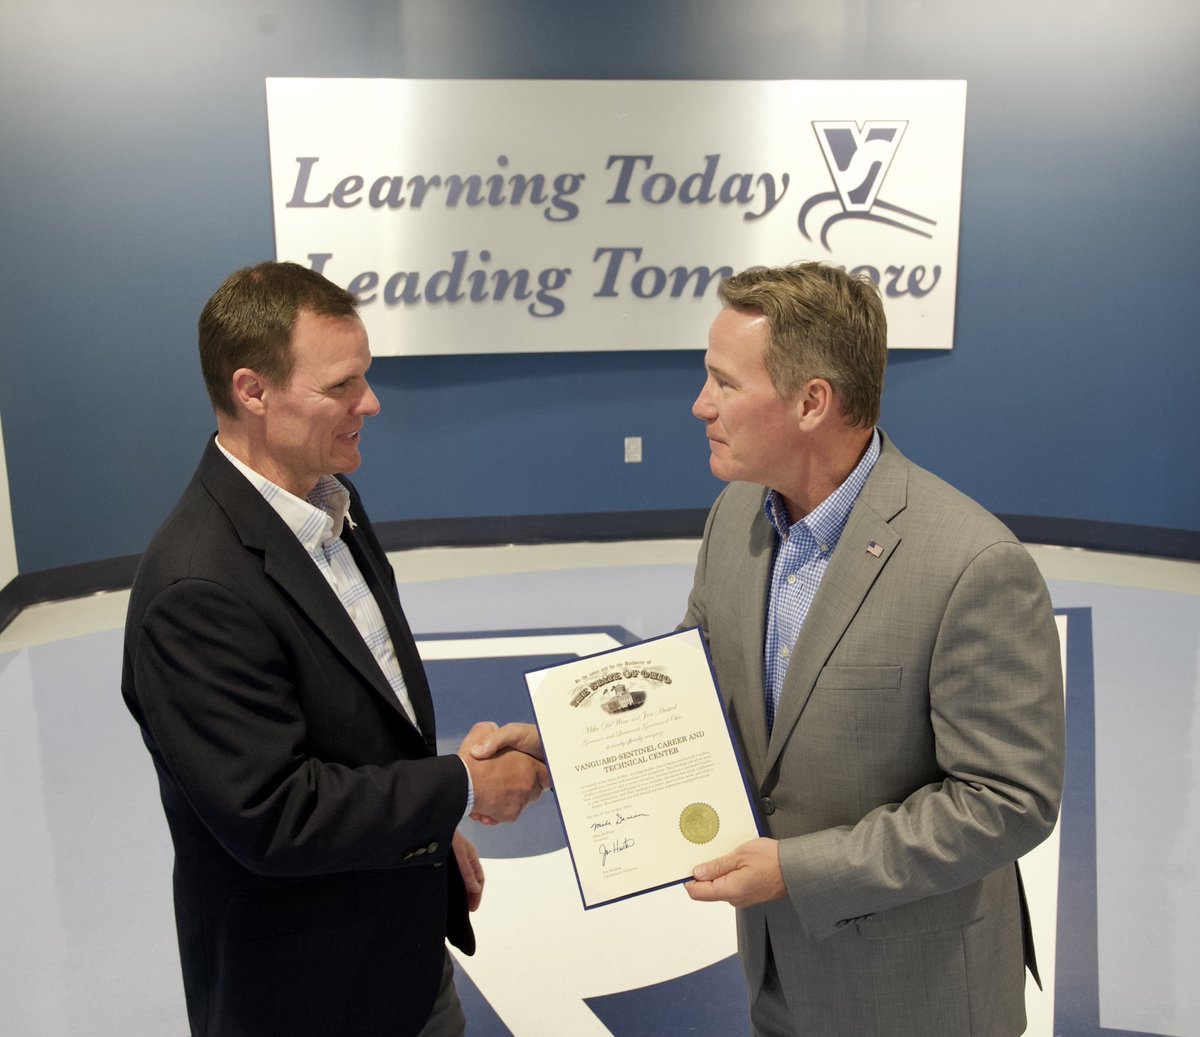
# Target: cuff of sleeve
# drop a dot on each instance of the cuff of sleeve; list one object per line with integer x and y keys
{"x": 470, "y": 791}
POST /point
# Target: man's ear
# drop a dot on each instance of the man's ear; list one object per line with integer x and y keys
{"x": 249, "y": 387}
{"x": 816, "y": 403}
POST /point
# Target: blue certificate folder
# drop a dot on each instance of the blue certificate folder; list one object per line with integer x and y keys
{"x": 647, "y": 775}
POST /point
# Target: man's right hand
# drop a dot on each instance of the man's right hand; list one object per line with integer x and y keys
{"x": 505, "y": 783}
{"x": 523, "y": 737}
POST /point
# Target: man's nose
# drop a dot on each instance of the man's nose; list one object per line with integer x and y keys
{"x": 702, "y": 408}
{"x": 369, "y": 404}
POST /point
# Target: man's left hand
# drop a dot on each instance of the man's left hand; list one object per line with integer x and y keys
{"x": 472, "y": 870}
{"x": 747, "y": 876}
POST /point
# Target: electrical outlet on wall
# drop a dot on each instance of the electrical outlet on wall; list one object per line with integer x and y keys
{"x": 633, "y": 449}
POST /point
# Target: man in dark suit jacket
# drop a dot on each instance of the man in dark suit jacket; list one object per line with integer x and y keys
{"x": 318, "y": 870}
{"x": 890, "y": 663}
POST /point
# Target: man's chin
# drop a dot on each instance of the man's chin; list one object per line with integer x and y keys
{"x": 348, "y": 463}
{"x": 720, "y": 470}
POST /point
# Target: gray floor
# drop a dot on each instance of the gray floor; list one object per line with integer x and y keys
{"x": 87, "y": 940}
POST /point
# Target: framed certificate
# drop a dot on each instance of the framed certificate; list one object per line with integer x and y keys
{"x": 645, "y": 772}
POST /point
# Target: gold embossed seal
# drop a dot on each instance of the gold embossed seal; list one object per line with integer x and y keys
{"x": 699, "y": 823}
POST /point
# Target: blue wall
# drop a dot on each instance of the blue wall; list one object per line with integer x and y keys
{"x": 133, "y": 178}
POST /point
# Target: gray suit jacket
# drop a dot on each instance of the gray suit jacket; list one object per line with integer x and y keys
{"x": 917, "y": 753}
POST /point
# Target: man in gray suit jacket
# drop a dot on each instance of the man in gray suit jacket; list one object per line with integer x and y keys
{"x": 890, "y": 663}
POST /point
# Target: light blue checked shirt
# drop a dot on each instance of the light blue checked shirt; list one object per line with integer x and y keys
{"x": 802, "y": 553}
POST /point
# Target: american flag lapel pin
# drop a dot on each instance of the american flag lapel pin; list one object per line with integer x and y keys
{"x": 874, "y": 550}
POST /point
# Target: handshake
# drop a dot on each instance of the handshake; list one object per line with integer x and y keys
{"x": 507, "y": 768}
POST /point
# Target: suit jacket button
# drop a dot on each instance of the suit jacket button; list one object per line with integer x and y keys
{"x": 433, "y": 847}
{"x": 768, "y": 805}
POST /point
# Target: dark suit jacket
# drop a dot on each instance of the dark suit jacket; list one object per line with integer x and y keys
{"x": 312, "y": 822}
{"x": 916, "y": 754}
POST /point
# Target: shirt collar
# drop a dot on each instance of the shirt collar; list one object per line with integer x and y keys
{"x": 315, "y": 520}
{"x": 827, "y": 520}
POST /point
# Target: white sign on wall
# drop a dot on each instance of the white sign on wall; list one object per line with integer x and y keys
{"x": 482, "y": 216}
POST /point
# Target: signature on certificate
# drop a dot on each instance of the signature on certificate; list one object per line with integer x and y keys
{"x": 620, "y": 819}
{"x": 619, "y": 846}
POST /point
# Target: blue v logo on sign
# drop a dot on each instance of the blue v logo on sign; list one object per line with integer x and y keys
{"x": 858, "y": 158}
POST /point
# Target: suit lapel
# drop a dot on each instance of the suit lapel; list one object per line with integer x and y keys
{"x": 293, "y": 571}
{"x": 752, "y": 721}
{"x": 286, "y": 563}
{"x": 382, "y": 586}
{"x": 853, "y": 570}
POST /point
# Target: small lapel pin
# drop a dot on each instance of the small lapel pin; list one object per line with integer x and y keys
{"x": 354, "y": 525}
{"x": 874, "y": 550}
